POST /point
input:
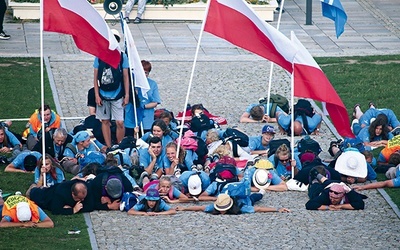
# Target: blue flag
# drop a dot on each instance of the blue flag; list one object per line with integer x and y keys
{"x": 333, "y": 9}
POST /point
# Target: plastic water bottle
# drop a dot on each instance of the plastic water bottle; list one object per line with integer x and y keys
{"x": 18, "y": 193}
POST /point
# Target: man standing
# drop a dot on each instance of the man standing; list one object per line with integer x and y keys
{"x": 3, "y": 8}
{"x": 111, "y": 88}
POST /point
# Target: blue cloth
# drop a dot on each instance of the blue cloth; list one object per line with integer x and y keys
{"x": 246, "y": 206}
{"x": 12, "y": 140}
{"x": 52, "y": 120}
{"x": 18, "y": 162}
{"x": 363, "y": 135}
{"x": 49, "y": 180}
{"x": 68, "y": 152}
{"x": 140, "y": 207}
{"x": 334, "y": 10}
{"x": 42, "y": 215}
{"x": 373, "y": 113}
{"x": 129, "y": 118}
{"x": 114, "y": 93}
{"x": 278, "y": 109}
{"x": 255, "y": 143}
{"x": 145, "y": 159}
{"x": 285, "y": 170}
{"x": 284, "y": 121}
{"x": 152, "y": 96}
{"x": 164, "y": 140}
{"x": 275, "y": 177}
{"x": 371, "y": 174}
{"x": 188, "y": 161}
{"x": 205, "y": 179}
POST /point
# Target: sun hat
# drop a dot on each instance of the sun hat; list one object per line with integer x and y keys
{"x": 352, "y": 163}
{"x": 264, "y": 164}
{"x": 268, "y": 129}
{"x": 152, "y": 194}
{"x": 114, "y": 187}
{"x": 81, "y": 136}
{"x": 30, "y": 162}
{"x": 23, "y": 211}
{"x": 194, "y": 184}
{"x": 223, "y": 202}
{"x": 262, "y": 178}
{"x": 337, "y": 191}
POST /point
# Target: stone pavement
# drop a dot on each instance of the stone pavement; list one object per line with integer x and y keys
{"x": 226, "y": 79}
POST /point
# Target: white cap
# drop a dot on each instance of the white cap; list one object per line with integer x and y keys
{"x": 23, "y": 212}
{"x": 194, "y": 184}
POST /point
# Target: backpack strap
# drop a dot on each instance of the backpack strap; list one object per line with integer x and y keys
{"x": 72, "y": 148}
{"x": 273, "y": 110}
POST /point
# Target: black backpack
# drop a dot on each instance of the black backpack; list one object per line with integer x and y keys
{"x": 276, "y": 100}
{"x": 218, "y": 169}
{"x": 110, "y": 78}
{"x": 237, "y": 137}
{"x": 200, "y": 123}
{"x": 307, "y": 144}
{"x": 201, "y": 150}
{"x": 275, "y": 144}
{"x": 303, "y": 108}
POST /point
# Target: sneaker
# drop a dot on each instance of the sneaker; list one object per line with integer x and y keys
{"x": 137, "y": 20}
{"x": 199, "y": 167}
{"x": 4, "y": 36}
{"x": 127, "y": 20}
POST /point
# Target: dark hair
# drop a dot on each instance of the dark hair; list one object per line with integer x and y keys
{"x": 54, "y": 165}
{"x": 166, "y": 114}
{"x": 45, "y": 107}
{"x": 76, "y": 190}
{"x": 155, "y": 140}
{"x": 235, "y": 209}
{"x": 320, "y": 169}
{"x": 394, "y": 158}
{"x": 162, "y": 125}
{"x": 91, "y": 168}
{"x": 146, "y": 207}
{"x": 379, "y": 121}
{"x": 146, "y": 65}
{"x": 257, "y": 113}
{"x": 196, "y": 107}
{"x": 111, "y": 161}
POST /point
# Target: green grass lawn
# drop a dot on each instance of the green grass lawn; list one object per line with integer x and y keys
{"x": 19, "y": 97}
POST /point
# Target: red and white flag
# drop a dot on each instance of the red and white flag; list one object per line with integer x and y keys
{"x": 311, "y": 82}
{"x": 88, "y": 29}
{"x": 236, "y": 22}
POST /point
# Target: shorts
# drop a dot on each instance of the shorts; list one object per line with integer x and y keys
{"x": 396, "y": 182}
{"x": 110, "y": 110}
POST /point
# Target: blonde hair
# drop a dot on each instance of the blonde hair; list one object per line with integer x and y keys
{"x": 222, "y": 150}
{"x": 182, "y": 151}
{"x": 212, "y": 135}
{"x": 284, "y": 150}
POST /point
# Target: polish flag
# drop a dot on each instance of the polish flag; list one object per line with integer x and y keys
{"x": 311, "y": 82}
{"x": 88, "y": 29}
{"x": 236, "y": 22}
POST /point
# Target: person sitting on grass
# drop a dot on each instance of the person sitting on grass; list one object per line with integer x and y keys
{"x": 51, "y": 169}
{"x": 25, "y": 162}
{"x": 228, "y": 205}
{"x": 19, "y": 211}
{"x": 151, "y": 205}
{"x": 377, "y": 134}
{"x": 10, "y": 146}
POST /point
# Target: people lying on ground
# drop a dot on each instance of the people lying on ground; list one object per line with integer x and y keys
{"x": 161, "y": 130}
{"x": 10, "y": 146}
{"x": 365, "y": 119}
{"x": 107, "y": 188}
{"x": 51, "y": 123}
{"x": 283, "y": 163}
{"x": 375, "y": 135}
{"x": 25, "y": 162}
{"x": 334, "y": 196}
{"x": 168, "y": 192}
{"x": 66, "y": 198}
{"x": 151, "y": 205}
{"x": 369, "y": 157}
{"x": 194, "y": 182}
{"x": 394, "y": 182}
{"x": 152, "y": 161}
{"x": 76, "y": 152}
{"x": 353, "y": 167}
{"x": 391, "y": 153}
{"x": 112, "y": 164}
{"x": 19, "y": 211}
{"x": 48, "y": 174}
{"x": 303, "y": 124}
{"x": 264, "y": 177}
{"x": 174, "y": 164}
{"x": 259, "y": 113}
{"x": 56, "y": 144}
{"x": 308, "y": 161}
{"x": 224, "y": 204}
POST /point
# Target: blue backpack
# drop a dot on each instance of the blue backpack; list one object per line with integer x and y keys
{"x": 128, "y": 200}
{"x": 239, "y": 189}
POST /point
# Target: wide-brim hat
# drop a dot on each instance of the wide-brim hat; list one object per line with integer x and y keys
{"x": 352, "y": 163}
{"x": 223, "y": 202}
{"x": 261, "y": 178}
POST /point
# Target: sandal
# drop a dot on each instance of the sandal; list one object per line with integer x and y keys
{"x": 371, "y": 104}
{"x": 354, "y": 110}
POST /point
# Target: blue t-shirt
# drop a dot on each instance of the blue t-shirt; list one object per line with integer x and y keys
{"x": 18, "y": 162}
{"x": 49, "y": 180}
{"x": 246, "y": 207}
{"x": 188, "y": 161}
{"x": 140, "y": 207}
{"x": 152, "y": 96}
{"x": 285, "y": 170}
{"x": 205, "y": 179}
{"x": 255, "y": 143}
{"x": 175, "y": 192}
{"x": 145, "y": 159}
{"x": 42, "y": 215}
{"x": 275, "y": 177}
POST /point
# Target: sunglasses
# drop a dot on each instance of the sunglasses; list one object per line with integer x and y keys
{"x": 337, "y": 193}
{"x": 285, "y": 160}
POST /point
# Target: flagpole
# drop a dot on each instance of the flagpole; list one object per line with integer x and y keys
{"x": 42, "y": 86}
{"x": 292, "y": 119}
{"x": 191, "y": 77}
{"x": 272, "y": 64}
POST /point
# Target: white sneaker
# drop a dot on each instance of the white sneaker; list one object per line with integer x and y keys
{"x": 4, "y": 36}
